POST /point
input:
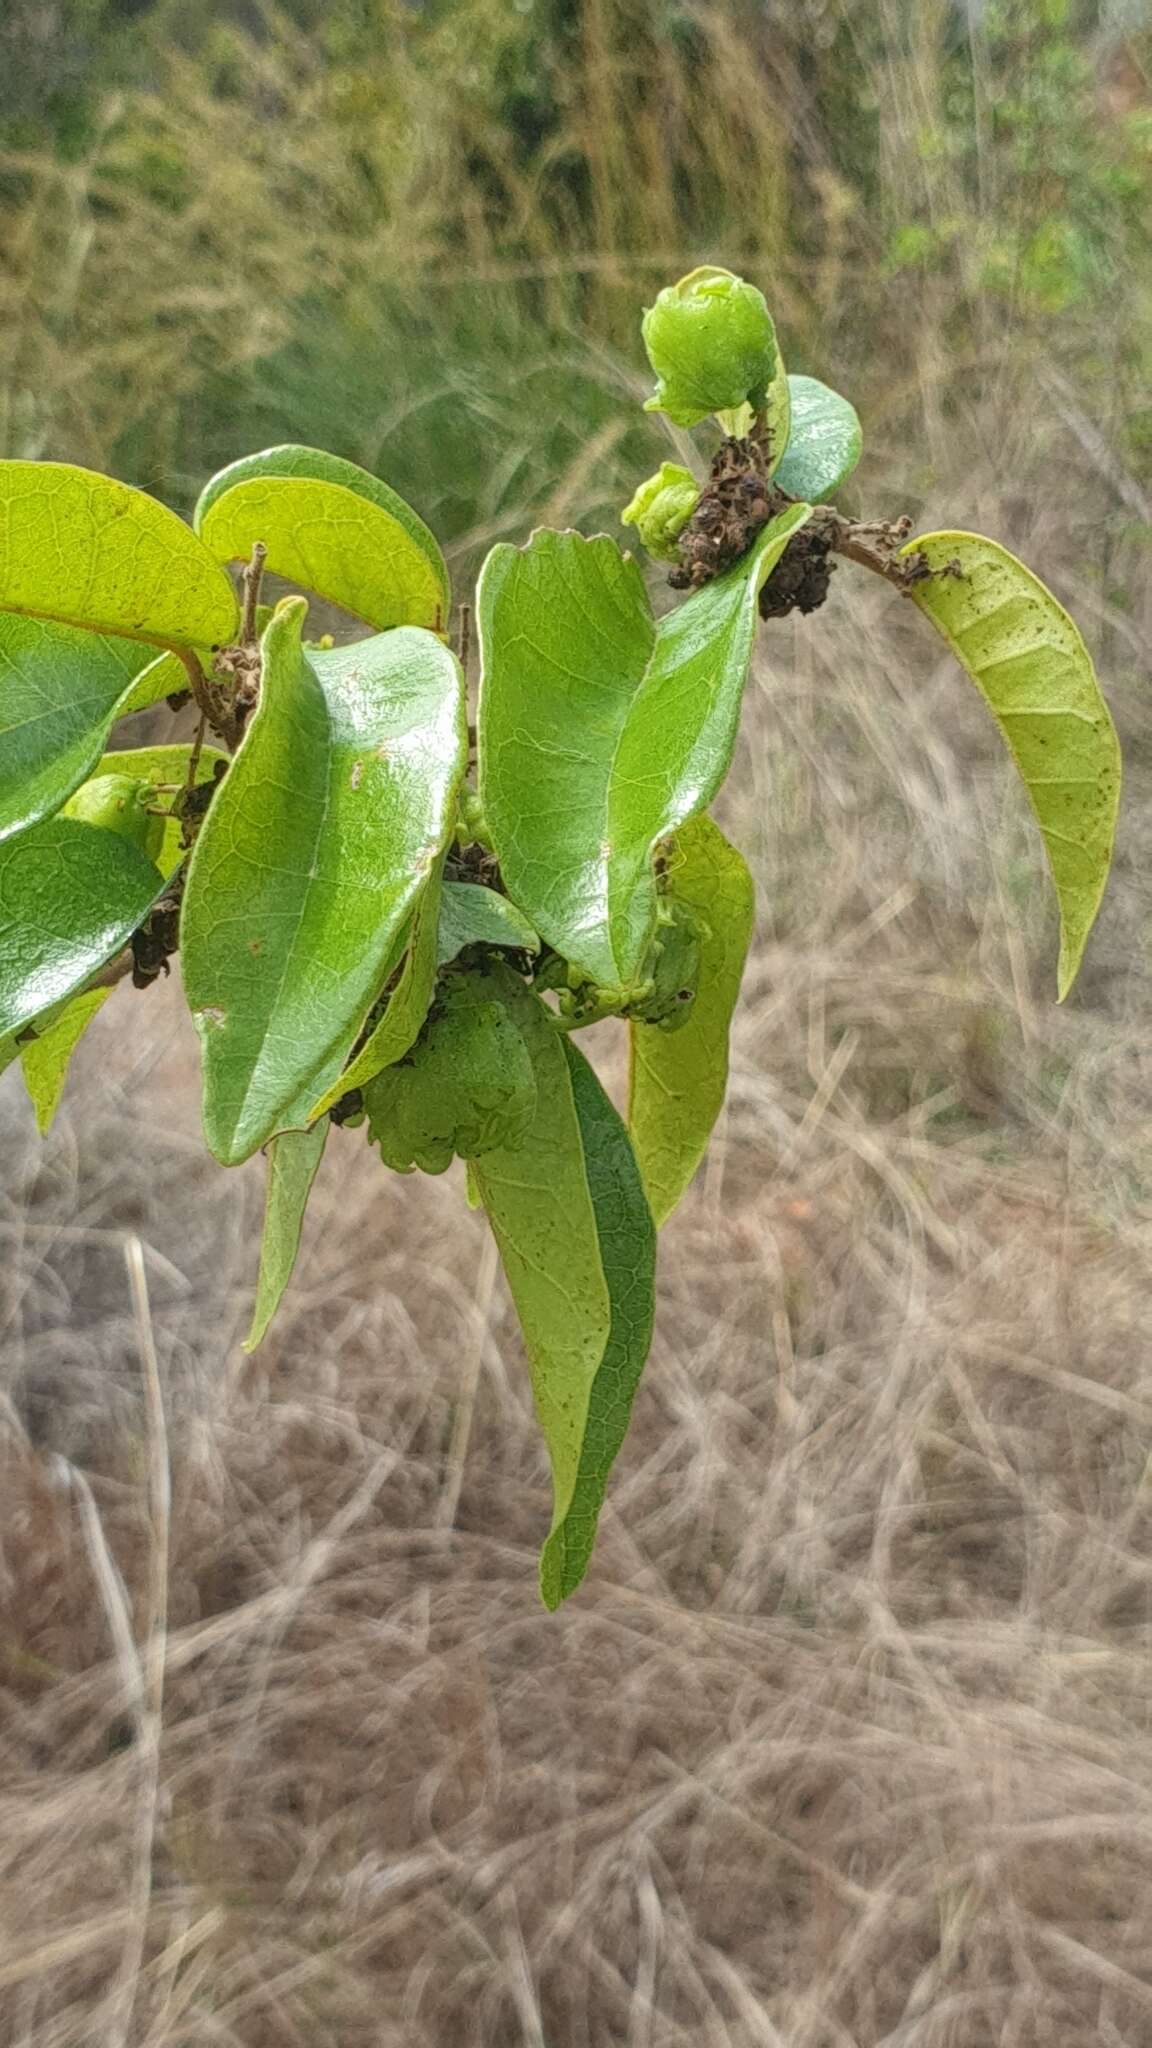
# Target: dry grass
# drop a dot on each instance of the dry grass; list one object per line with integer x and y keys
{"x": 845, "y": 1741}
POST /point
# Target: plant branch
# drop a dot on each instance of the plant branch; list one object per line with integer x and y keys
{"x": 251, "y": 580}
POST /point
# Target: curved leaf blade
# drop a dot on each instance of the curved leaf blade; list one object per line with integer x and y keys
{"x": 1031, "y": 666}
{"x": 293, "y": 1162}
{"x": 540, "y": 1207}
{"x": 825, "y": 443}
{"x": 313, "y": 856}
{"x": 627, "y": 1239}
{"x": 678, "y": 1080}
{"x": 471, "y": 915}
{"x": 45, "y": 1059}
{"x": 86, "y": 550}
{"x": 70, "y": 897}
{"x": 601, "y": 732}
{"x": 406, "y": 1008}
{"x": 332, "y": 528}
{"x": 61, "y": 689}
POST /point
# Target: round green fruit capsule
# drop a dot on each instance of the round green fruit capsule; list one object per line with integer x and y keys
{"x": 120, "y": 804}
{"x": 711, "y": 341}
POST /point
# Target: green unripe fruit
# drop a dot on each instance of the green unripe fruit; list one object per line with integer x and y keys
{"x": 711, "y": 341}
{"x": 674, "y": 969}
{"x": 119, "y": 803}
{"x": 466, "y": 1087}
{"x": 662, "y": 508}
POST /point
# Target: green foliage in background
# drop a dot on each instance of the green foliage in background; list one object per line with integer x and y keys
{"x": 393, "y": 923}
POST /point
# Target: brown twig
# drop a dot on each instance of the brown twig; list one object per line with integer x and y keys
{"x": 251, "y": 580}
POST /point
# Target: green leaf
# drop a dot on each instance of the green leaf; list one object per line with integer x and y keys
{"x": 162, "y": 678}
{"x": 539, "y": 1205}
{"x": 471, "y": 915}
{"x": 60, "y": 691}
{"x": 1026, "y": 657}
{"x": 293, "y": 1160}
{"x": 332, "y": 528}
{"x": 70, "y": 897}
{"x": 88, "y": 551}
{"x": 825, "y": 442}
{"x": 627, "y": 1238}
{"x": 313, "y": 856}
{"x": 406, "y": 1007}
{"x": 601, "y": 732}
{"x": 45, "y": 1058}
{"x": 168, "y": 767}
{"x": 678, "y": 1081}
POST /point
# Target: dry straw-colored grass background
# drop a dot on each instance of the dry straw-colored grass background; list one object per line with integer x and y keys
{"x": 846, "y": 1741}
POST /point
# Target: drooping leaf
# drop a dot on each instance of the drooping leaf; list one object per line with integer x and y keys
{"x": 45, "y": 1058}
{"x": 167, "y": 767}
{"x": 1028, "y": 660}
{"x": 70, "y": 897}
{"x": 471, "y": 915}
{"x": 466, "y": 1087}
{"x": 60, "y": 691}
{"x": 824, "y": 444}
{"x": 601, "y": 732}
{"x": 627, "y": 1238}
{"x": 314, "y": 854}
{"x": 85, "y": 550}
{"x": 406, "y": 1005}
{"x": 293, "y": 1161}
{"x": 332, "y": 528}
{"x": 678, "y": 1081}
{"x": 539, "y": 1205}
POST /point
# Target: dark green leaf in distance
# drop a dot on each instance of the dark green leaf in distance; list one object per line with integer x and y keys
{"x": 824, "y": 444}
{"x": 70, "y": 897}
{"x": 627, "y": 1238}
{"x": 601, "y": 732}
{"x": 61, "y": 689}
{"x": 1027, "y": 658}
{"x": 678, "y": 1081}
{"x": 540, "y": 1207}
{"x": 85, "y": 550}
{"x": 293, "y": 1161}
{"x": 332, "y": 528}
{"x": 316, "y": 850}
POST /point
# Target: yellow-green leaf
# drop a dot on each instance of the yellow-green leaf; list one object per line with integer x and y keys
{"x": 61, "y": 689}
{"x": 406, "y": 1007}
{"x": 293, "y": 1160}
{"x": 89, "y": 551}
{"x": 1029, "y": 662}
{"x": 45, "y": 1058}
{"x": 678, "y": 1079}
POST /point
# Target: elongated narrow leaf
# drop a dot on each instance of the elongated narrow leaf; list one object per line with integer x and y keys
{"x": 88, "y": 551}
{"x": 471, "y": 915}
{"x": 406, "y": 1006}
{"x": 1029, "y": 662}
{"x": 332, "y": 528}
{"x": 60, "y": 691}
{"x": 168, "y": 768}
{"x": 293, "y": 1161}
{"x": 601, "y": 732}
{"x": 45, "y": 1058}
{"x": 314, "y": 854}
{"x": 627, "y": 1238}
{"x": 824, "y": 444}
{"x": 70, "y": 897}
{"x": 539, "y": 1205}
{"x": 679, "y": 1078}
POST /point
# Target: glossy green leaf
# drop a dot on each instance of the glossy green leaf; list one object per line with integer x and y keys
{"x": 601, "y": 732}
{"x": 86, "y": 550}
{"x": 45, "y": 1058}
{"x": 168, "y": 768}
{"x": 627, "y": 1237}
{"x": 313, "y": 856}
{"x": 293, "y": 1161}
{"x": 1027, "y": 658}
{"x": 70, "y": 897}
{"x": 824, "y": 444}
{"x": 332, "y": 528}
{"x": 678, "y": 1080}
{"x": 60, "y": 691}
{"x": 540, "y": 1207}
{"x": 406, "y": 1007}
{"x": 471, "y": 915}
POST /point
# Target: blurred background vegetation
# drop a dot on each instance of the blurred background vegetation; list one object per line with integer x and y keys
{"x": 418, "y": 233}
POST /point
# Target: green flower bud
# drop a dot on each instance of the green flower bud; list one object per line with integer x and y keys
{"x": 662, "y": 508}
{"x": 466, "y": 1087}
{"x": 711, "y": 342}
{"x": 119, "y": 803}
